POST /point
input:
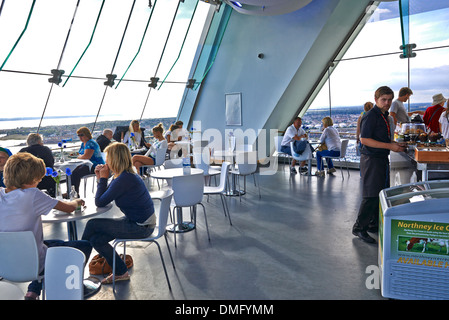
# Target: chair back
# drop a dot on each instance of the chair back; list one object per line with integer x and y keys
{"x": 160, "y": 156}
{"x": 19, "y": 258}
{"x": 173, "y": 163}
{"x": 64, "y": 273}
{"x": 200, "y": 143}
{"x": 344, "y": 147}
{"x": 277, "y": 143}
{"x": 164, "y": 210}
{"x": 188, "y": 190}
{"x": 246, "y": 162}
{"x": 223, "y": 175}
{"x": 201, "y": 159}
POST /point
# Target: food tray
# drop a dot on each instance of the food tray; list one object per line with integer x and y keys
{"x": 432, "y": 154}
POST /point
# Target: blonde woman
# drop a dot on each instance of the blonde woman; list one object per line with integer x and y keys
{"x": 134, "y": 135}
{"x": 150, "y": 157}
{"x": 130, "y": 194}
{"x": 332, "y": 140}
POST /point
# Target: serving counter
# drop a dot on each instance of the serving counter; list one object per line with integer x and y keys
{"x": 419, "y": 163}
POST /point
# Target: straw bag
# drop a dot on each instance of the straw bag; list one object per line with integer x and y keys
{"x": 322, "y": 147}
{"x": 98, "y": 265}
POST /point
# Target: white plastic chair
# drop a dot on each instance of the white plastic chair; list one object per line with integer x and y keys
{"x": 64, "y": 274}
{"x": 305, "y": 156}
{"x": 85, "y": 178}
{"x": 172, "y": 163}
{"x": 246, "y": 165}
{"x": 341, "y": 157}
{"x": 159, "y": 231}
{"x": 188, "y": 192}
{"x": 279, "y": 153}
{"x": 19, "y": 260}
{"x": 159, "y": 161}
{"x": 221, "y": 189}
{"x": 10, "y": 291}
{"x": 201, "y": 160}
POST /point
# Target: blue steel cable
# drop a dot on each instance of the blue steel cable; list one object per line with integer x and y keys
{"x": 57, "y": 71}
{"x": 141, "y": 42}
{"x": 111, "y": 76}
{"x": 21, "y": 34}
{"x": 160, "y": 59}
{"x": 88, "y": 45}
{"x": 182, "y": 46}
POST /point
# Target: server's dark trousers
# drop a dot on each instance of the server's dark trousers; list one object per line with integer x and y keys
{"x": 375, "y": 177}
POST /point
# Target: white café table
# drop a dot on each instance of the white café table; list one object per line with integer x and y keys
{"x": 89, "y": 210}
{"x": 184, "y": 226}
{"x": 72, "y": 164}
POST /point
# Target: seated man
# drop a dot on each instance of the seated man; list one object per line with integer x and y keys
{"x": 293, "y": 132}
{"x": 104, "y": 139}
{"x": 36, "y": 147}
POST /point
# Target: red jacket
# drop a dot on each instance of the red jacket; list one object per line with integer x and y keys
{"x": 432, "y": 117}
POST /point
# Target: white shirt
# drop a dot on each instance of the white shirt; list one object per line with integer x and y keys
{"x": 331, "y": 137}
{"x": 444, "y": 125}
{"x": 137, "y": 138}
{"x": 21, "y": 210}
{"x": 401, "y": 114}
{"x": 290, "y": 133}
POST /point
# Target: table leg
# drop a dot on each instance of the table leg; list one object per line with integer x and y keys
{"x": 91, "y": 286}
{"x": 71, "y": 230}
{"x": 184, "y": 226}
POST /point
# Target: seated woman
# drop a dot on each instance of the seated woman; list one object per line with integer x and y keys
{"x": 90, "y": 150}
{"x": 173, "y": 135}
{"x": 130, "y": 194}
{"x": 134, "y": 136}
{"x": 331, "y": 138}
{"x": 150, "y": 157}
{"x": 22, "y": 205}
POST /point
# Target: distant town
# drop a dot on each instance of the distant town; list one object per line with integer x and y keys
{"x": 56, "y": 133}
{"x": 344, "y": 118}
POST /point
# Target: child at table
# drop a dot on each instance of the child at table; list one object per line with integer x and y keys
{"x": 22, "y": 204}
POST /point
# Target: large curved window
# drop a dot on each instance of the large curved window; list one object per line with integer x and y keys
{"x": 127, "y": 38}
{"x": 374, "y": 60}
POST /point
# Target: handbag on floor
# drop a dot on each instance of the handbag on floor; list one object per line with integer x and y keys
{"x": 98, "y": 265}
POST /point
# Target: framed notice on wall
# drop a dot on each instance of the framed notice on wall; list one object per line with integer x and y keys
{"x": 233, "y": 109}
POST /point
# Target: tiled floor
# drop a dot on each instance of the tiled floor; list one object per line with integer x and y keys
{"x": 294, "y": 243}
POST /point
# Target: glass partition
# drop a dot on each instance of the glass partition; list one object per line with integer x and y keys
{"x": 374, "y": 60}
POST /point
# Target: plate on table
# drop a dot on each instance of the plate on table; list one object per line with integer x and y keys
{"x": 58, "y": 213}
{"x": 75, "y": 161}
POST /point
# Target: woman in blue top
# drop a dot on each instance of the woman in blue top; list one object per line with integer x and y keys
{"x": 130, "y": 194}
{"x": 90, "y": 150}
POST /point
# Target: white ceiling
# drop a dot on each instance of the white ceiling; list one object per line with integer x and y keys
{"x": 268, "y": 7}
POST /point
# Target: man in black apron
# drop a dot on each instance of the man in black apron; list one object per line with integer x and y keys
{"x": 375, "y": 136}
